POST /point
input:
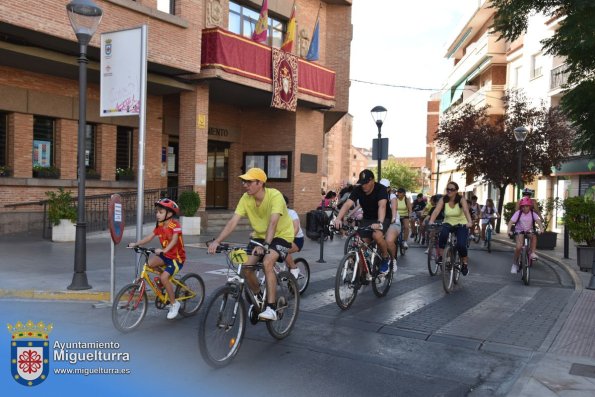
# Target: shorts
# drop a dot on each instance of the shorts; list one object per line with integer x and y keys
{"x": 299, "y": 241}
{"x": 396, "y": 226}
{"x": 171, "y": 265}
{"x": 485, "y": 221}
{"x": 367, "y": 222}
{"x": 278, "y": 245}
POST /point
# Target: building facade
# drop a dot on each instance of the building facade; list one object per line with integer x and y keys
{"x": 209, "y": 113}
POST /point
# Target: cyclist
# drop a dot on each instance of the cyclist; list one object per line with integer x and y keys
{"x": 404, "y": 209}
{"x": 524, "y": 220}
{"x": 171, "y": 254}
{"x": 376, "y": 213}
{"x": 394, "y": 228}
{"x": 488, "y": 214}
{"x": 266, "y": 210}
{"x": 298, "y": 240}
{"x": 456, "y": 212}
{"x": 529, "y": 193}
{"x": 417, "y": 207}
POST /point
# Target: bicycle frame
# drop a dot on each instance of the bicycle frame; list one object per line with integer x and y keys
{"x": 362, "y": 248}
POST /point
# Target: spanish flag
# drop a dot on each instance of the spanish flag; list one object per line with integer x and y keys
{"x": 262, "y": 25}
{"x": 287, "y": 45}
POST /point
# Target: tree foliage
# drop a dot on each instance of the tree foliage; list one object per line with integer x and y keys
{"x": 485, "y": 146}
{"x": 400, "y": 175}
{"x": 575, "y": 41}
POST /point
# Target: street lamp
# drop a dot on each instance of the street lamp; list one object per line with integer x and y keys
{"x": 84, "y": 17}
{"x": 438, "y": 156}
{"x": 520, "y": 134}
{"x": 379, "y": 114}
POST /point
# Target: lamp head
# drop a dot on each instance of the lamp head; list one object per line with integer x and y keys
{"x": 84, "y": 17}
{"x": 378, "y": 115}
{"x": 520, "y": 133}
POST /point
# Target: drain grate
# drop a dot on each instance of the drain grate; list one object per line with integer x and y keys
{"x": 582, "y": 370}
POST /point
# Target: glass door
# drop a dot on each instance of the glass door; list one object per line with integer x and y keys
{"x": 217, "y": 174}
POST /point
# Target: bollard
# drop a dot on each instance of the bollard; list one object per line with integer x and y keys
{"x": 566, "y": 242}
{"x": 592, "y": 281}
{"x": 321, "y": 259}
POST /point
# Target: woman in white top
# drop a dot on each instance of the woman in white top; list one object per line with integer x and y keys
{"x": 298, "y": 240}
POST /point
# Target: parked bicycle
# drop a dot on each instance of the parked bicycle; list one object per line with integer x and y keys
{"x": 130, "y": 304}
{"x": 222, "y": 324}
{"x": 361, "y": 266}
{"x": 452, "y": 263}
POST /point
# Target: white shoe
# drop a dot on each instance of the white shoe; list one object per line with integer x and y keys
{"x": 534, "y": 256}
{"x": 295, "y": 272}
{"x": 514, "y": 269}
{"x": 173, "y": 310}
{"x": 405, "y": 244}
{"x": 268, "y": 314}
{"x": 426, "y": 251}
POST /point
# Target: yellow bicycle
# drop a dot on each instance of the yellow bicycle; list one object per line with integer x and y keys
{"x": 130, "y": 305}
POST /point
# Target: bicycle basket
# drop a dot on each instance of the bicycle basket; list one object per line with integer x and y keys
{"x": 238, "y": 256}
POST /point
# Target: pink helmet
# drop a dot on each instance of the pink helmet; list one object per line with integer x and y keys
{"x": 526, "y": 201}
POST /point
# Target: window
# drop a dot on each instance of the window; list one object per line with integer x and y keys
{"x": 124, "y": 148}
{"x": 277, "y": 165}
{"x": 168, "y": 6}
{"x": 242, "y": 20}
{"x": 90, "y": 146}
{"x": 517, "y": 76}
{"x": 536, "y": 69}
{"x": 3, "y": 139}
{"x": 43, "y": 142}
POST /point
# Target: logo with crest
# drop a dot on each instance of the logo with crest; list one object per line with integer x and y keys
{"x": 108, "y": 47}
{"x": 29, "y": 352}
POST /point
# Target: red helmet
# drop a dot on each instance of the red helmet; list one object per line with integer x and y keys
{"x": 526, "y": 201}
{"x": 168, "y": 204}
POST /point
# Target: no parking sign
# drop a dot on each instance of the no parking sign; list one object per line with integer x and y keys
{"x": 116, "y": 218}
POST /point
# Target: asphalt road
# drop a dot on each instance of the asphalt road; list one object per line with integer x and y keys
{"x": 417, "y": 341}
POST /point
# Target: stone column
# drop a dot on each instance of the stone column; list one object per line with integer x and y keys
{"x": 66, "y": 147}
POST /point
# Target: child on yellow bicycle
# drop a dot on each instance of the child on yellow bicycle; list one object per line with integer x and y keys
{"x": 172, "y": 254}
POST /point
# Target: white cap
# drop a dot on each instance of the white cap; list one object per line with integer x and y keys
{"x": 385, "y": 182}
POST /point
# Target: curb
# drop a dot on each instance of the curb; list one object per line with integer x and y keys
{"x": 55, "y": 295}
{"x": 578, "y": 283}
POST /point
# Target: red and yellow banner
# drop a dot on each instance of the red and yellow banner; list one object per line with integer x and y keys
{"x": 285, "y": 80}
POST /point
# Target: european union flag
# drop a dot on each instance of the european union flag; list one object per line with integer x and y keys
{"x": 313, "y": 50}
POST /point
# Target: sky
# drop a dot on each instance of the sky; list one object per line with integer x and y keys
{"x": 400, "y": 43}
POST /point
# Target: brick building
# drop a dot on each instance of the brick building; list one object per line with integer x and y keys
{"x": 208, "y": 112}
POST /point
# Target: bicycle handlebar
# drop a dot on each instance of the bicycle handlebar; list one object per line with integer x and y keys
{"x": 143, "y": 250}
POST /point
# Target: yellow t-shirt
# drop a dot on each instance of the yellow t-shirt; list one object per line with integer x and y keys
{"x": 260, "y": 216}
{"x": 402, "y": 207}
{"x": 454, "y": 216}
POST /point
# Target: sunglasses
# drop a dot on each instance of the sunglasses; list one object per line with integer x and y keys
{"x": 450, "y": 189}
{"x": 247, "y": 182}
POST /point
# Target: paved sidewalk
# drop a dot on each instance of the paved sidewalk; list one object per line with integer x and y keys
{"x": 563, "y": 366}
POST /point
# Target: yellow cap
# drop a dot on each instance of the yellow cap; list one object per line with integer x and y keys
{"x": 254, "y": 174}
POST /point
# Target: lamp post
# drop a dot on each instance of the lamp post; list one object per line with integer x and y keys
{"x": 84, "y": 17}
{"x": 379, "y": 114}
{"x": 438, "y": 156}
{"x": 520, "y": 134}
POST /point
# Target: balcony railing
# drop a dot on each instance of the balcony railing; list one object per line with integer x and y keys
{"x": 558, "y": 77}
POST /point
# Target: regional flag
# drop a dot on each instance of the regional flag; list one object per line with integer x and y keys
{"x": 287, "y": 45}
{"x": 313, "y": 50}
{"x": 262, "y": 26}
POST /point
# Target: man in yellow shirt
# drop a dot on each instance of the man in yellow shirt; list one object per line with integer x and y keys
{"x": 266, "y": 210}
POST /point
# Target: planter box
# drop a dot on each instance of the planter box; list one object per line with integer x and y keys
{"x": 190, "y": 225}
{"x": 584, "y": 257}
{"x": 547, "y": 240}
{"x": 64, "y": 232}
{"x": 125, "y": 177}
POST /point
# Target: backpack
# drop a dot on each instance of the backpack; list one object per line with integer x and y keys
{"x": 315, "y": 223}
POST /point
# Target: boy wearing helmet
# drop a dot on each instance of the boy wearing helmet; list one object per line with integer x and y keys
{"x": 524, "y": 221}
{"x": 171, "y": 254}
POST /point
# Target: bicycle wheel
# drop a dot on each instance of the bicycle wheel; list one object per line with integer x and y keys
{"x": 381, "y": 282}
{"x": 304, "y": 278}
{"x": 129, "y": 307}
{"x": 288, "y": 305}
{"x": 433, "y": 266}
{"x": 448, "y": 269}
{"x": 476, "y": 233}
{"x": 457, "y": 269}
{"x": 489, "y": 239}
{"x": 222, "y": 326}
{"x": 345, "y": 279}
{"x": 192, "y": 295}
{"x": 349, "y": 243}
{"x": 525, "y": 267}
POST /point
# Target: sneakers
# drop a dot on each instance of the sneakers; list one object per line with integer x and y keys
{"x": 439, "y": 260}
{"x": 384, "y": 265}
{"x": 173, "y": 310}
{"x": 514, "y": 269}
{"x": 268, "y": 314}
{"x": 534, "y": 256}
{"x": 464, "y": 270}
{"x": 295, "y": 272}
{"x": 405, "y": 245}
{"x": 426, "y": 251}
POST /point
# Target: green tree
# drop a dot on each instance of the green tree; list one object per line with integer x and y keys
{"x": 574, "y": 41}
{"x": 485, "y": 145}
{"x": 400, "y": 175}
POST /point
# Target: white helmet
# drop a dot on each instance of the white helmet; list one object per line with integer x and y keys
{"x": 385, "y": 182}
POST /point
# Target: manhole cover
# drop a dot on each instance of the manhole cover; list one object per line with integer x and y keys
{"x": 583, "y": 370}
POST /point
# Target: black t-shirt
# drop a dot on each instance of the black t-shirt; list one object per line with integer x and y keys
{"x": 418, "y": 205}
{"x": 369, "y": 203}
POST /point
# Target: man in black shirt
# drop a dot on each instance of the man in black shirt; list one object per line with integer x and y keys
{"x": 373, "y": 199}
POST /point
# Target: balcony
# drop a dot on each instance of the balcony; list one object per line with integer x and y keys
{"x": 558, "y": 77}
{"x": 237, "y": 61}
